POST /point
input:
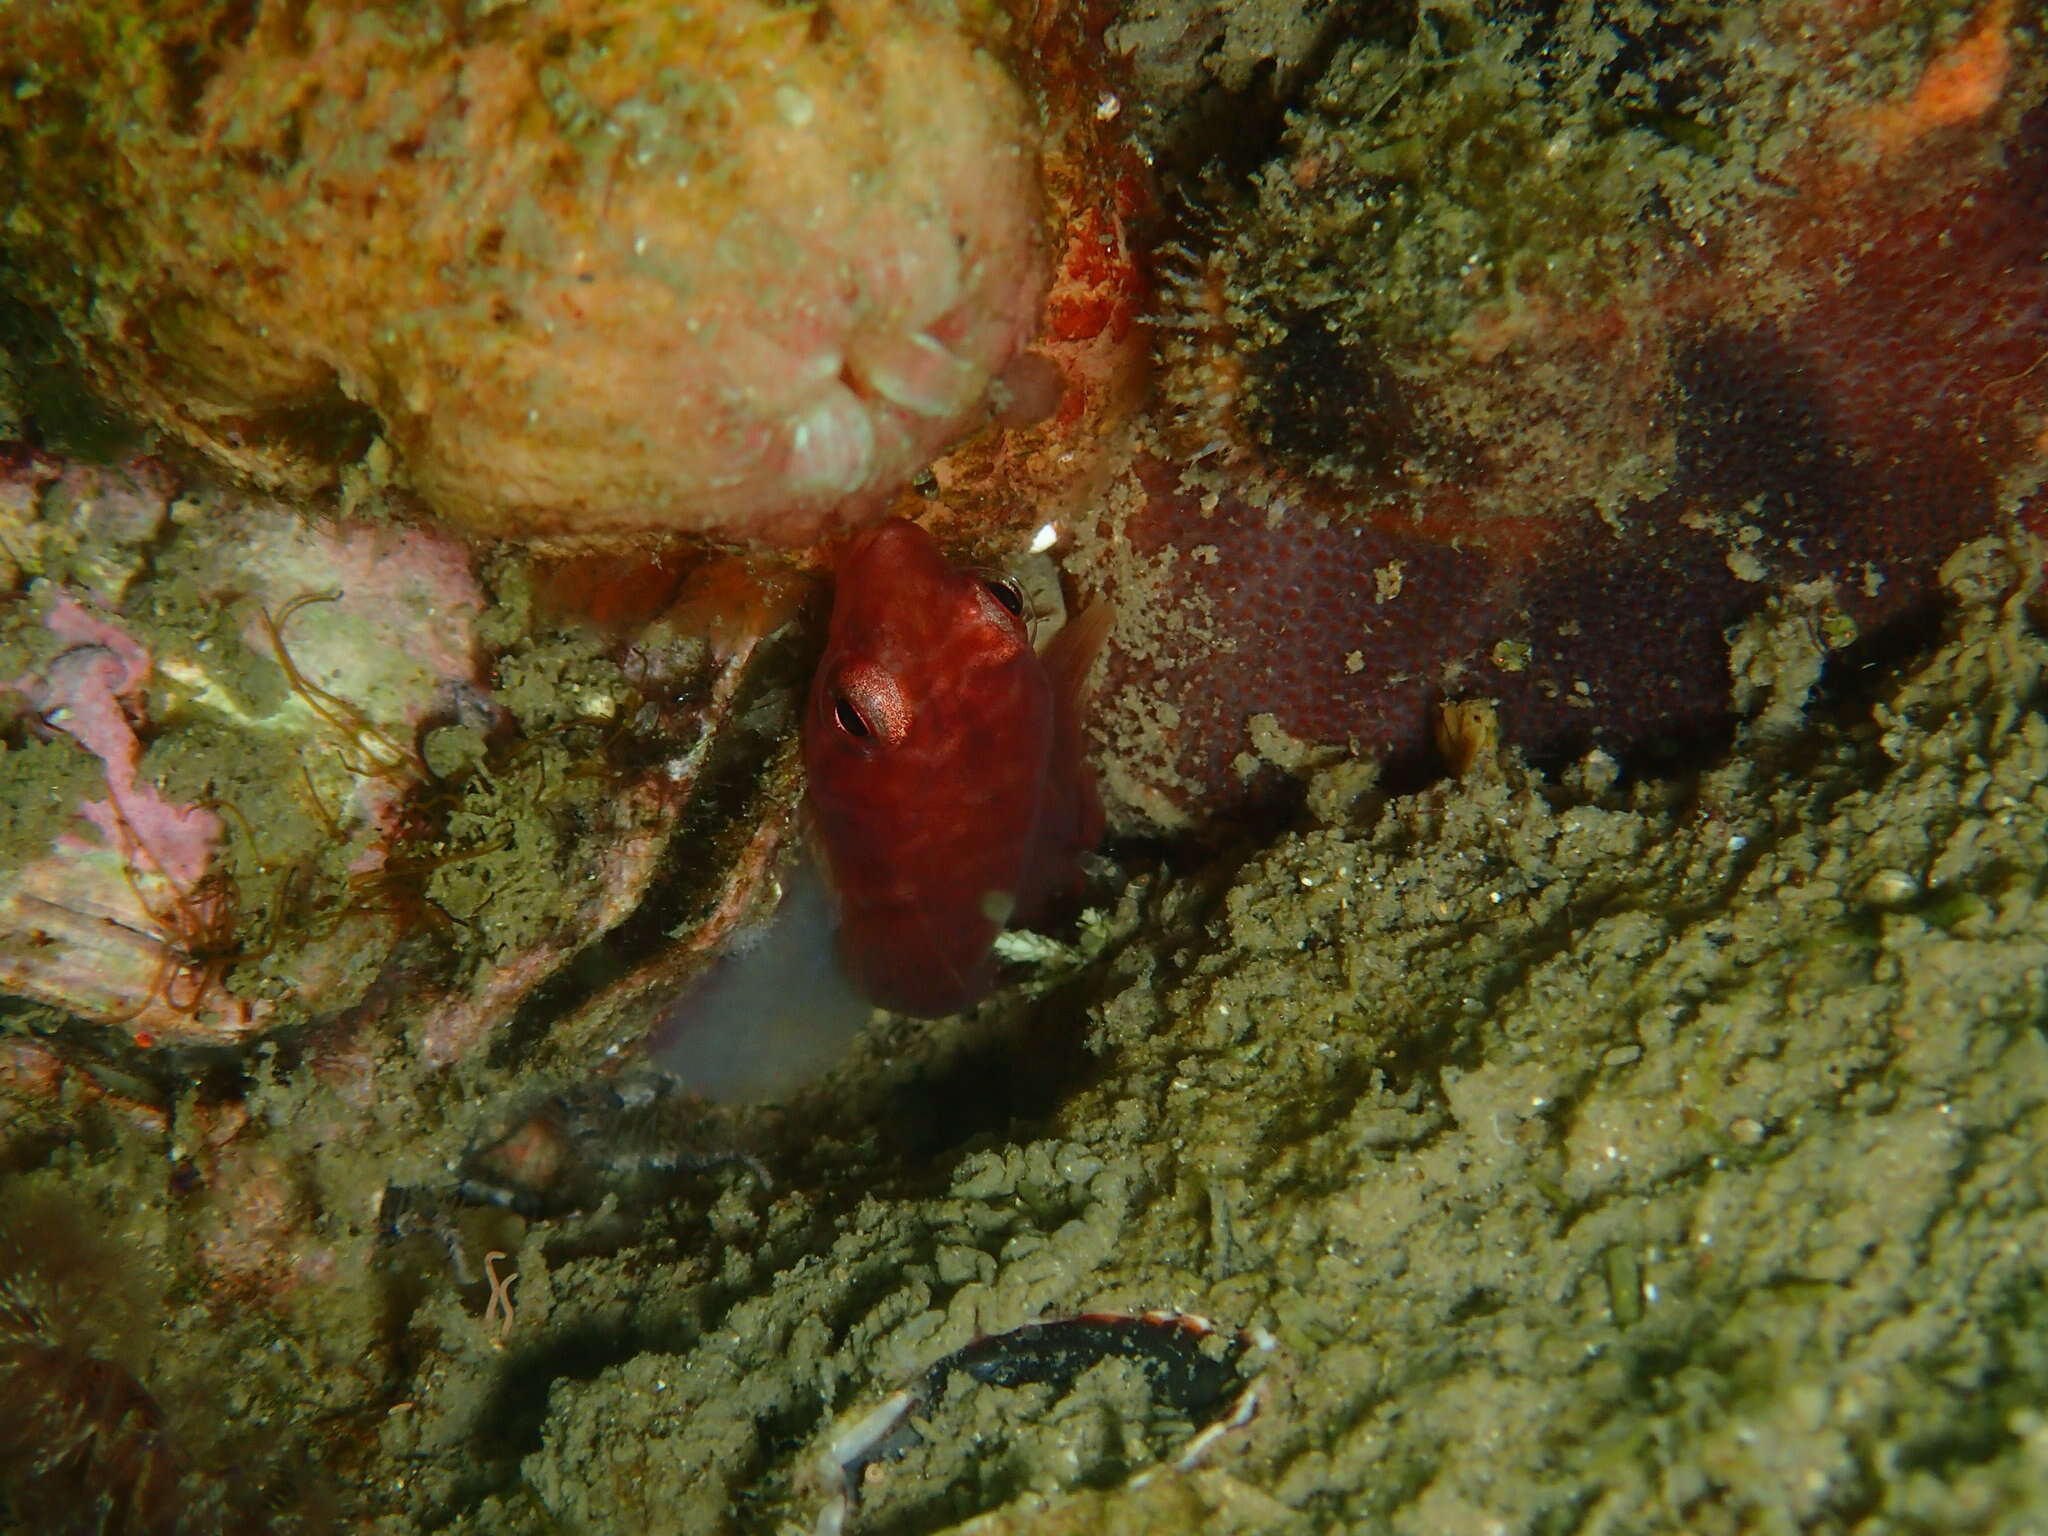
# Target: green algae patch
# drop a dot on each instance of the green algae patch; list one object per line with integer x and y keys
{"x": 510, "y": 835}
{"x": 39, "y": 780}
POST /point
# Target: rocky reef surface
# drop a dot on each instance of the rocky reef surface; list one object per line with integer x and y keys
{"x": 1631, "y": 1153}
{"x": 1553, "y": 1042}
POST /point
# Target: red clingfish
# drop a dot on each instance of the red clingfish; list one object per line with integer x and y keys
{"x": 944, "y": 758}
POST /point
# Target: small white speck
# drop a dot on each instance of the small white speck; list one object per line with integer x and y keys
{"x": 1107, "y": 107}
{"x": 1020, "y": 946}
{"x": 1048, "y": 535}
{"x": 1737, "y": 842}
{"x": 794, "y": 107}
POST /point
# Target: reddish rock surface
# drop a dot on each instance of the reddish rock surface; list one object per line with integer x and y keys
{"x": 1804, "y": 401}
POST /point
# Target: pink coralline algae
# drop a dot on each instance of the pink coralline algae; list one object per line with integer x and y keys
{"x": 210, "y": 717}
{"x": 88, "y": 692}
{"x": 118, "y": 931}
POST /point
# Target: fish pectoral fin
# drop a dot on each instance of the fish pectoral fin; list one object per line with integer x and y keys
{"x": 1070, "y": 654}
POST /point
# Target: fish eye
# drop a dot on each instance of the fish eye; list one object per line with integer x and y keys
{"x": 850, "y": 719}
{"x": 1006, "y": 592}
{"x": 867, "y": 706}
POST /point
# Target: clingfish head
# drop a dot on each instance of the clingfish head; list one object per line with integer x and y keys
{"x": 935, "y": 740}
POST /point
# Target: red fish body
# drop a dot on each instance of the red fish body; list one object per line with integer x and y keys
{"x": 945, "y": 772}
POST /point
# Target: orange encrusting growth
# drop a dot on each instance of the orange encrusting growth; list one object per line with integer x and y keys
{"x": 1957, "y": 88}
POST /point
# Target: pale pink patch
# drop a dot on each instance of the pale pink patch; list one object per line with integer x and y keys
{"x": 400, "y": 593}
{"x": 28, "y": 1071}
{"x": 381, "y": 804}
{"x": 86, "y": 693}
